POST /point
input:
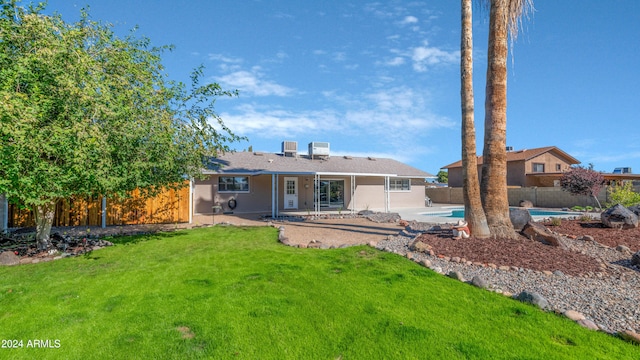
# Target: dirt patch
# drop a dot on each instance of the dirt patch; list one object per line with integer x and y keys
{"x": 337, "y": 232}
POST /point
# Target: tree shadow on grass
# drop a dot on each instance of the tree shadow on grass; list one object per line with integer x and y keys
{"x": 134, "y": 239}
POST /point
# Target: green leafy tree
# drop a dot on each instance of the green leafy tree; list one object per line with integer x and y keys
{"x": 623, "y": 194}
{"x": 442, "y": 177}
{"x": 582, "y": 181}
{"x": 86, "y": 113}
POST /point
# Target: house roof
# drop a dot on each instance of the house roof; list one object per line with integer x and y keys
{"x": 524, "y": 155}
{"x": 251, "y": 163}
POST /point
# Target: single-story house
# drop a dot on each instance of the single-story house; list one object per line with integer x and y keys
{"x": 251, "y": 182}
{"x": 528, "y": 167}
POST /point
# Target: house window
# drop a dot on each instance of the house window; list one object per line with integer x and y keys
{"x": 233, "y": 184}
{"x": 558, "y": 167}
{"x": 399, "y": 184}
{"x": 538, "y": 168}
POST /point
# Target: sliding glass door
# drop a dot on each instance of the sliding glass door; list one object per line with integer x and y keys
{"x": 331, "y": 193}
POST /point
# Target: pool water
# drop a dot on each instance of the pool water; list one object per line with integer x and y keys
{"x": 459, "y": 213}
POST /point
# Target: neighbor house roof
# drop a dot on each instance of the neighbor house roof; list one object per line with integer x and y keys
{"x": 255, "y": 163}
{"x": 524, "y": 155}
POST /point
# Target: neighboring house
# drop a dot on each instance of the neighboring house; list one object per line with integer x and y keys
{"x": 530, "y": 167}
{"x": 249, "y": 182}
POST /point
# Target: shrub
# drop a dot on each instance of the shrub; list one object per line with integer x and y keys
{"x": 582, "y": 181}
{"x": 623, "y": 195}
{"x": 555, "y": 221}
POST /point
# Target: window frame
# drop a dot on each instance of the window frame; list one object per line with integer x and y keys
{"x": 236, "y": 184}
{"x": 534, "y": 165}
{"x": 393, "y": 184}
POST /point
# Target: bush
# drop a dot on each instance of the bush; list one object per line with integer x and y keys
{"x": 623, "y": 195}
{"x": 582, "y": 181}
{"x": 555, "y": 221}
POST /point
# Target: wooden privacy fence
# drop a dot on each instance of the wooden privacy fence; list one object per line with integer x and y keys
{"x": 170, "y": 206}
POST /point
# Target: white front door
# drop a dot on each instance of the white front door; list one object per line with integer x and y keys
{"x": 290, "y": 193}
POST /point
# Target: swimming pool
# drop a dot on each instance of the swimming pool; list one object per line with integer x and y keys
{"x": 458, "y": 213}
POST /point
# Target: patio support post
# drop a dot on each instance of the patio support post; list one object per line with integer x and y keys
{"x": 316, "y": 194}
{"x": 274, "y": 187}
{"x": 353, "y": 194}
{"x": 104, "y": 212}
{"x": 387, "y": 208}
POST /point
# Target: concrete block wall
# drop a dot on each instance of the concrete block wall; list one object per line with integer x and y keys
{"x": 543, "y": 197}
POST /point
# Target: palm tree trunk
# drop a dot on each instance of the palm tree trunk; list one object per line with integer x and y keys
{"x": 494, "y": 168}
{"x": 474, "y": 213}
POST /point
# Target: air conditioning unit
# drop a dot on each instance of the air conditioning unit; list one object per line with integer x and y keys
{"x": 290, "y": 148}
{"x": 318, "y": 149}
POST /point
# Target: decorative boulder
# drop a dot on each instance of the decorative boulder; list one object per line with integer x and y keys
{"x": 533, "y": 298}
{"x": 8, "y": 258}
{"x": 538, "y": 232}
{"x": 519, "y": 217}
{"x": 619, "y": 217}
{"x": 419, "y": 246}
{"x": 526, "y": 204}
{"x": 635, "y": 209}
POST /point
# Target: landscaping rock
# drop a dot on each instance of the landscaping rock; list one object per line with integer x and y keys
{"x": 426, "y": 263}
{"x": 519, "y": 217}
{"x": 456, "y": 275}
{"x": 586, "y": 238}
{"x": 538, "y": 232}
{"x": 623, "y": 249}
{"x": 8, "y": 258}
{"x": 619, "y": 217}
{"x": 635, "y": 209}
{"x": 630, "y": 336}
{"x": 533, "y": 298}
{"x": 419, "y": 246}
{"x": 586, "y": 323}
{"x": 383, "y": 217}
{"x": 574, "y": 315}
{"x": 479, "y": 282}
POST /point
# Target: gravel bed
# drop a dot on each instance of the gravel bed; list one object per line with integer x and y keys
{"x": 609, "y": 298}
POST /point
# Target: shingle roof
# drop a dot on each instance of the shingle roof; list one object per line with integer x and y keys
{"x": 524, "y": 155}
{"x": 270, "y": 163}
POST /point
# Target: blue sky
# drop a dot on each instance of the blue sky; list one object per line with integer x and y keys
{"x": 382, "y": 78}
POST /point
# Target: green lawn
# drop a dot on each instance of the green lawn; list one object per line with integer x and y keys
{"x": 230, "y": 292}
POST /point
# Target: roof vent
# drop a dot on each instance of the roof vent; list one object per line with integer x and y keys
{"x": 290, "y": 148}
{"x": 318, "y": 149}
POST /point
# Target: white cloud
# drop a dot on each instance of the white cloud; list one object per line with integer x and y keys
{"x": 252, "y": 82}
{"x": 426, "y": 56}
{"x": 396, "y": 61}
{"x": 409, "y": 20}
{"x": 225, "y": 59}
{"x": 277, "y": 123}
